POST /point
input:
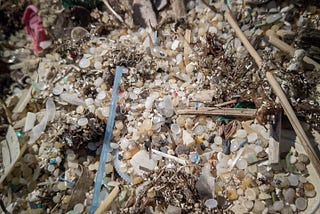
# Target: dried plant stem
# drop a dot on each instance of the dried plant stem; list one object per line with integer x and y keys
{"x": 243, "y": 38}
{"x": 226, "y": 103}
{"x": 112, "y": 11}
{"x": 7, "y": 111}
{"x": 288, "y": 49}
{"x": 239, "y": 112}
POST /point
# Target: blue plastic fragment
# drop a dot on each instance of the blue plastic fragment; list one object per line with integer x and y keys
{"x": 156, "y": 41}
{"x": 52, "y": 161}
{"x": 243, "y": 141}
{"x": 62, "y": 178}
{"x": 106, "y": 140}
{"x": 194, "y": 157}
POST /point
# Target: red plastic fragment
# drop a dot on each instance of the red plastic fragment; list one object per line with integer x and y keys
{"x": 34, "y": 27}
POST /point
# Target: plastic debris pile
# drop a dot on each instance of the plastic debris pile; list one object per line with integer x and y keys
{"x": 164, "y": 156}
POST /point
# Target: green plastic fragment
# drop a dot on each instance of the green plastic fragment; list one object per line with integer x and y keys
{"x": 288, "y": 164}
{"x": 195, "y": 72}
{"x": 64, "y": 79}
{"x": 245, "y": 104}
{"x": 71, "y": 212}
{"x": 89, "y": 4}
{"x": 14, "y": 188}
{"x": 223, "y": 118}
{"x": 19, "y": 134}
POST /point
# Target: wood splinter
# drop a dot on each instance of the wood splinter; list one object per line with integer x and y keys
{"x": 238, "y": 112}
{"x": 108, "y": 201}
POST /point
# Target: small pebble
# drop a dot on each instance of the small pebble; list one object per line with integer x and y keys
{"x": 258, "y": 206}
{"x": 78, "y": 208}
{"x": 218, "y": 140}
{"x": 234, "y": 145}
{"x": 293, "y": 180}
{"x": 250, "y": 194}
{"x": 303, "y": 158}
{"x": 114, "y": 145}
{"x": 301, "y": 203}
{"x": 264, "y": 196}
{"x": 248, "y": 204}
{"x": 278, "y": 205}
{"x": 84, "y": 63}
{"x": 310, "y": 194}
{"x": 57, "y": 90}
{"x": 56, "y": 199}
{"x": 226, "y": 147}
{"x": 308, "y": 186}
{"x": 158, "y": 52}
{"x": 83, "y": 121}
{"x": 51, "y": 168}
{"x": 293, "y": 159}
{"x": 211, "y": 203}
{"x": 45, "y": 44}
{"x": 62, "y": 186}
{"x": 273, "y": 18}
{"x": 252, "y": 137}
{"x": 289, "y": 195}
{"x": 92, "y": 146}
{"x": 242, "y": 163}
{"x": 80, "y": 109}
{"x": 241, "y": 133}
{"x": 101, "y": 95}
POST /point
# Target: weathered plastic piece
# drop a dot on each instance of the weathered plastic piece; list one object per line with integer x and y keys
{"x": 34, "y": 27}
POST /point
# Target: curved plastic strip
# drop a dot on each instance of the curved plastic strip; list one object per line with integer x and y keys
{"x": 116, "y": 164}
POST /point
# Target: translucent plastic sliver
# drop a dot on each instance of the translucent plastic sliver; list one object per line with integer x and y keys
{"x": 106, "y": 140}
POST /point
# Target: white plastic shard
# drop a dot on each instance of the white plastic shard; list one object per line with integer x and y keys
{"x": 234, "y": 161}
{"x": 274, "y": 152}
{"x": 50, "y": 109}
{"x": 30, "y": 120}
{"x": 10, "y": 151}
{"x": 141, "y": 159}
{"x": 71, "y": 98}
{"x": 204, "y": 95}
{"x": 24, "y": 100}
{"x": 49, "y": 116}
{"x": 10, "y": 148}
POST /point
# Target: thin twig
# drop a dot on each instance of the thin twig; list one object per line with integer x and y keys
{"x": 114, "y": 12}
{"x": 3, "y": 207}
{"x": 7, "y": 111}
{"x": 288, "y": 49}
{"x": 226, "y": 103}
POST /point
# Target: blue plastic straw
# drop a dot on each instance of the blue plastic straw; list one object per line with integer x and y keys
{"x": 106, "y": 140}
